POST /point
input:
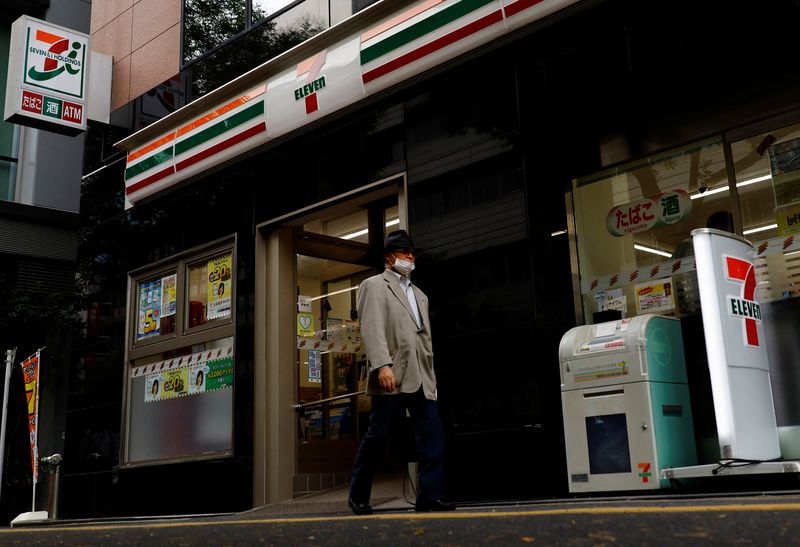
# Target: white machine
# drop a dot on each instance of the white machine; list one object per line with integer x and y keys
{"x": 625, "y": 400}
{"x": 737, "y": 360}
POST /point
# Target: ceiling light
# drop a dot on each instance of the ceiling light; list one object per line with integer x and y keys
{"x": 558, "y": 233}
{"x": 747, "y": 182}
{"x": 753, "y": 181}
{"x": 365, "y": 231}
{"x": 651, "y": 250}
{"x": 760, "y": 229}
{"x": 333, "y": 293}
{"x": 359, "y": 233}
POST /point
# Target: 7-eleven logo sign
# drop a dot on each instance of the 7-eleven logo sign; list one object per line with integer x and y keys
{"x": 309, "y": 70}
{"x": 744, "y": 306}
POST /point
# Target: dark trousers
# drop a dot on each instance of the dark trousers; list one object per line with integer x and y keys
{"x": 386, "y": 409}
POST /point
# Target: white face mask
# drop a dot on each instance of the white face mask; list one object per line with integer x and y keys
{"x": 403, "y": 267}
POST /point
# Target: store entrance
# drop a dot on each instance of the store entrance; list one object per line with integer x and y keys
{"x": 335, "y": 249}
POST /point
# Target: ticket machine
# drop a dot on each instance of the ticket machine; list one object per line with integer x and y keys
{"x": 625, "y": 402}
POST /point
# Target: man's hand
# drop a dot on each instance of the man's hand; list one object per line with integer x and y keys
{"x": 386, "y": 378}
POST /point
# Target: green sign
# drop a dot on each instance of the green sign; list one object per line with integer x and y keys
{"x": 220, "y": 374}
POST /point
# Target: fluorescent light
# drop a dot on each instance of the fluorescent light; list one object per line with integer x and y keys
{"x": 747, "y": 182}
{"x": 356, "y": 234}
{"x": 558, "y": 233}
{"x": 333, "y": 293}
{"x": 753, "y": 181}
{"x": 709, "y": 192}
{"x": 365, "y": 231}
{"x": 760, "y": 229}
{"x": 651, "y": 250}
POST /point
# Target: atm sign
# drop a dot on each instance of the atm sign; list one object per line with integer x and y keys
{"x": 51, "y": 107}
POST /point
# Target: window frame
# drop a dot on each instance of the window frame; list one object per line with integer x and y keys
{"x": 182, "y": 337}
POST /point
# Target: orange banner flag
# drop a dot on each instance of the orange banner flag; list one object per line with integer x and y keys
{"x": 30, "y": 373}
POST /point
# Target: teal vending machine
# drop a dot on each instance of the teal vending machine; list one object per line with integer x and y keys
{"x": 625, "y": 401}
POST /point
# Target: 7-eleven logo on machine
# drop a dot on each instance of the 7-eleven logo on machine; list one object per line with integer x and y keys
{"x": 310, "y": 69}
{"x": 744, "y": 306}
{"x": 644, "y": 472}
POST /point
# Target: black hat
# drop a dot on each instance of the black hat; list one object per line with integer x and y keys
{"x": 399, "y": 240}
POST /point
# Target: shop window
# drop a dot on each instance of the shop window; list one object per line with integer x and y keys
{"x": 633, "y": 226}
{"x": 179, "y": 377}
{"x": 768, "y": 184}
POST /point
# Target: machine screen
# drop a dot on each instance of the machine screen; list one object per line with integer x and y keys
{"x": 608, "y": 444}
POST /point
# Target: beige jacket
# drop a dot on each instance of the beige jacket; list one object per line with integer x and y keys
{"x": 391, "y": 336}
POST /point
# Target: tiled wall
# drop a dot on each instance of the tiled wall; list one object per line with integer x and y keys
{"x": 143, "y": 37}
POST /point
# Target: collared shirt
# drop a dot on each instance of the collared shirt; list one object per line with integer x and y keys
{"x": 405, "y": 283}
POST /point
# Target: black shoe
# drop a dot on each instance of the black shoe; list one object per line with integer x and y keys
{"x": 359, "y": 508}
{"x": 434, "y": 505}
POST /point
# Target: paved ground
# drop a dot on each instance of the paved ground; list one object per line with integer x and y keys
{"x": 324, "y": 519}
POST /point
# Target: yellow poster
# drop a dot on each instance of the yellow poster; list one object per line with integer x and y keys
{"x": 655, "y": 296}
{"x": 219, "y": 287}
{"x": 305, "y": 324}
{"x": 788, "y": 219}
{"x": 166, "y": 384}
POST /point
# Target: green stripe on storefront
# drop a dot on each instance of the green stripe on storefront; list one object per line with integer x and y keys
{"x": 149, "y": 163}
{"x": 418, "y": 30}
{"x": 219, "y": 128}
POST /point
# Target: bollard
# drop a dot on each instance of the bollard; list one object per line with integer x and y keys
{"x": 52, "y": 465}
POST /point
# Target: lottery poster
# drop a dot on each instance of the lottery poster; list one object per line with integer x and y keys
{"x": 169, "y": 295}
{"x": 167, "y": 384}
{"x": 149, "y": 309}
{"x": 219, "y": 287}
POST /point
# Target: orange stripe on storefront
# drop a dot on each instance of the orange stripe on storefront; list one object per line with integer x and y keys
{"x": 222, "y": 110}
{"x": 197, "y": 123}
{"x": 391, "y": 23}
{"x": 150, "y": 147}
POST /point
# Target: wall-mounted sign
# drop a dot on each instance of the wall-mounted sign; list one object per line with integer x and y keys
{"x": 47, "y": 76}
{"x": 648, "y": 213}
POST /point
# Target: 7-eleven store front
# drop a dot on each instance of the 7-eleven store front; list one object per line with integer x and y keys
{"x": 261, "y": 206}
{"x": 243, "y": 344}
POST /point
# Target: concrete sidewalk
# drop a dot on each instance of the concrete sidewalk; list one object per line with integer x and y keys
{"x": 388, "y": 495}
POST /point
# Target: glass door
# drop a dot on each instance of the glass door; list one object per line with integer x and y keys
{"x": 334, "y": 252}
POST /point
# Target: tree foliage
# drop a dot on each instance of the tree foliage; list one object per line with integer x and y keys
{"x": 210, "y": 23}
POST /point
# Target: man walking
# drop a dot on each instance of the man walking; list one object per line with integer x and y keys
{"x": 395, "y": 330}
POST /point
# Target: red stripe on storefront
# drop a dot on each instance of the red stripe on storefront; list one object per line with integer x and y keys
{"x": 431, "y": 47}
{"x": 208, "y": 152}
{"x": 520, "y": 5}
{"x": 150, "y": 180}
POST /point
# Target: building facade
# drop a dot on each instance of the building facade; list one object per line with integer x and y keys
{"x": 260, "y": 151}
{"x": 40, "y": 186}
